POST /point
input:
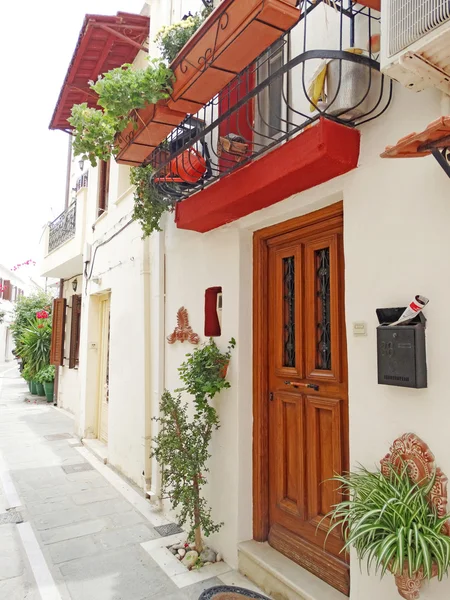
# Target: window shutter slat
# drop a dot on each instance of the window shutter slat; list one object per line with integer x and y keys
{"x": 7, "y": 290}
{"x": 58, "y": 324}
{"x": 75, "y": 331}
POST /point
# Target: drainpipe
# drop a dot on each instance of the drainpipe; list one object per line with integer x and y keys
{"x": 61, "y": 281}
{"x": 157, "y": 341}
{"x": 145, "y": 272}
{"x": 56, "y": 385}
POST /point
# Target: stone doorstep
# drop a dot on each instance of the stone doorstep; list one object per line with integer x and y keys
{"x": 98, "y": 449}
{"x": 280, "y": 577}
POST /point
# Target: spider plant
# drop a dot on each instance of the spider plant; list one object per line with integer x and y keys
{"x": 390, "y": 522}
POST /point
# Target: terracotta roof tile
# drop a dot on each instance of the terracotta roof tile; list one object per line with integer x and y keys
{"x": 408, "y": 146}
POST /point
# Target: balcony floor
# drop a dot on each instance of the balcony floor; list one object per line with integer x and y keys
{"x": 318, "y": 154}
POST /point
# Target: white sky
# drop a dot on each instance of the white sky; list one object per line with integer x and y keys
{"x": 36, "y": 44}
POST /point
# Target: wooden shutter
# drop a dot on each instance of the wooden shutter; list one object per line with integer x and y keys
{"x": 75, "y": 331}
{"x": 59, "y": 321}
{"x": 7, "y": 290}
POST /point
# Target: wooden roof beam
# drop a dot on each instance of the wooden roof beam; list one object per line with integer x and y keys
{"x": 122, "y": 37}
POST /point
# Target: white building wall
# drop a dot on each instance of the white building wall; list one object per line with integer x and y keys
{"x": 115, "y": 268}
{"x": 396, "y": 216}
{"x": 7, "y": 306}
{"x": 69, "y": 384}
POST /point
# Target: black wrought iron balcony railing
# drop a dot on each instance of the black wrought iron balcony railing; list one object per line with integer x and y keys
{"x": 82, "y": 181}
{"x": 281, "y": 94}
{"x": 62, "y": 228}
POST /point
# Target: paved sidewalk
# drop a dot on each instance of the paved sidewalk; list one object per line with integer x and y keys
{"x": 88, "y": 535}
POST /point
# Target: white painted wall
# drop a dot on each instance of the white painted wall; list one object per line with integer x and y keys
{"x": 396, "y": 217}
{"x": 69, "y": 384}
{"x": 7, "y": 306}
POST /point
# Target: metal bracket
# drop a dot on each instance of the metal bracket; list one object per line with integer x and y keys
{"x": 441, "y": 157}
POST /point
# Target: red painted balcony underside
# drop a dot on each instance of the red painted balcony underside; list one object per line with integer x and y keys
{"x": 316, "y": 155}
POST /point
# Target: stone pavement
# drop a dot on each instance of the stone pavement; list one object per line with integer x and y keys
{"x": 80, "y": 538}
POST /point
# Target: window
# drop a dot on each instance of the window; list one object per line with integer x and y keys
{"x": 6, "y": 289}
{"x": 103, "y": 188}
{"x": 271, "y": 108}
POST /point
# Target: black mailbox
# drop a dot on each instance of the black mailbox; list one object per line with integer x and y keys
{"x": 401, "y": 350}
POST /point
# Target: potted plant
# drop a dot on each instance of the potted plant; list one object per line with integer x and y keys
{"x": 204, "y": 371}
{"x": 182, "y": 444}
{"x": 35, "y": 342}
{"x": 46, "y": 378}
{"x": 389, "y": 519}
{"x": 230, "y": 39}
{"x": 132, "y": 110}
{"x": 27, "y": 374}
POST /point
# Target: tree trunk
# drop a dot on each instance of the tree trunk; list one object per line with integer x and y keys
{"x": 198, "y": 530}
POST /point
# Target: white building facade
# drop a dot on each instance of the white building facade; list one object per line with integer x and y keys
{"x": 305, "y": 241}
{"x": 12, "y": 288}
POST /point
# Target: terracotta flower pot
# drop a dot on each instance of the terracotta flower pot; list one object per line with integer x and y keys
{"x": 150, "y": 126}
{"x": 229, "y": 40}
{"x": 409, "y": 587}
{"x": 189, "y": 166}
{"x": 375, "y": 4}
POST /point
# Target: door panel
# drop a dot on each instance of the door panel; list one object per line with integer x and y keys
{"x": 307, "y": 381}
{"x": 103, "y": 391}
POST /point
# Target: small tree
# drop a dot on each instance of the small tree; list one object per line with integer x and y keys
{"x": 182, "y": 444}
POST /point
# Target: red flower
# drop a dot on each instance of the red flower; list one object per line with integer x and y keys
{"x": 42, "y": 314}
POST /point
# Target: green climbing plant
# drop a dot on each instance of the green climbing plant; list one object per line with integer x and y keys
{"x": 182, "y": 444}
{"x": 120, "y": 92}
{"x": 149, "y": 203}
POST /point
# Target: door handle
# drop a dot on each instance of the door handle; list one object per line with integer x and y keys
{"x": 311, "y": 386}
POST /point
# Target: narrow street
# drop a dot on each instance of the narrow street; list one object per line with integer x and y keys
{"x": 66, "y": 531}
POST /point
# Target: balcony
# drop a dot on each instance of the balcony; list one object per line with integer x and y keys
{"x": 62, "y": 228}
{"x": 286, "y": 123}
{"x": 63, "y": 239}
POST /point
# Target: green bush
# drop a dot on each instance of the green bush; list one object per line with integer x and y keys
{"x": 120, "y": 91}
{"x": 170, "y": 39}
{"x": 27, "y": 373}
{"x": 35, "y": 345}
{"x": 46, "y": 374}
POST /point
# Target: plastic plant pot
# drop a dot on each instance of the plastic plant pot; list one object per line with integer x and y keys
{"x": 39, "y": 389}
{"x": 48, "y": 389}
{"x": 33, "y": 389}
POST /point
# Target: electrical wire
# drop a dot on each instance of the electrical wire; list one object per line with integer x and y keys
{"x": 115, "y": 234}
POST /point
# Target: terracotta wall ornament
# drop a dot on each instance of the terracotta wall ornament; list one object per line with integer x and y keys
{"x": 183, "y": 331}
{"x": 414, "y": 452}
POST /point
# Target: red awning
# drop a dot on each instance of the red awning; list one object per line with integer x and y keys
{"x": 104, "y": 43}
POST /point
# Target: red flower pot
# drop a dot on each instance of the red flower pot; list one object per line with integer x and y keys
{"x": 189, "y": 166}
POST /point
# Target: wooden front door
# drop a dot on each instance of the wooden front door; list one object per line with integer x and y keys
{"x": 301, "y": 296}
{"x": 103, "y": 378}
